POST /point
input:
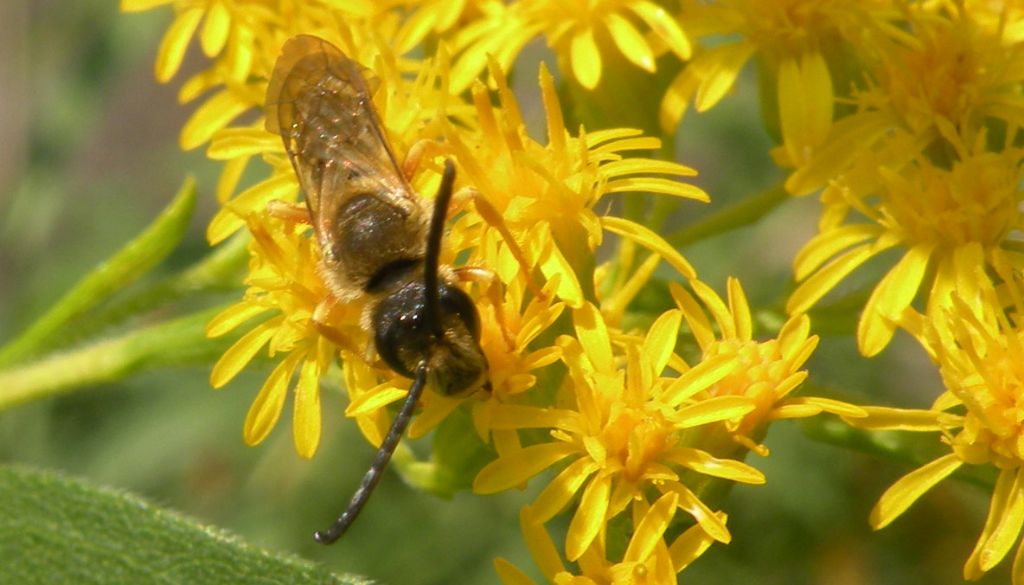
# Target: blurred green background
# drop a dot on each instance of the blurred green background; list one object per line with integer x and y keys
{"x": 89, "y": 155}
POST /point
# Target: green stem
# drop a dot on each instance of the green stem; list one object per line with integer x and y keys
{"x": 740, "y": 214}
{"x": 181, "y": 341}
{"x": 911, "y": 448}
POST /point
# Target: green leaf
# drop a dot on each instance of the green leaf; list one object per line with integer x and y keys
{"x": 132, "y": 261}
{"x": 180, "y": 341}
{"x": 59, "y": 530}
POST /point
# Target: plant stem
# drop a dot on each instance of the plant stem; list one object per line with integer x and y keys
{"x": 740, "y": 214}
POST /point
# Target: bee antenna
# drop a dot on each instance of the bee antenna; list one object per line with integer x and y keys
{"x": 380, "y": 462}
{"x": 431, "y": 262}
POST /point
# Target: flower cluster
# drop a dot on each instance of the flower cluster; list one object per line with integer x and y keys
{"x": 905, "y": 117}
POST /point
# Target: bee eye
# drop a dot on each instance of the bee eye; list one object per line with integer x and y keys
{"x": 455, "y": 301}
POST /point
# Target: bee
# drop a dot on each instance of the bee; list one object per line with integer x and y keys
{"x": 378, "y": 238}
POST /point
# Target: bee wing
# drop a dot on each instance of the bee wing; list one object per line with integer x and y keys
{"x": 320, "y": 102}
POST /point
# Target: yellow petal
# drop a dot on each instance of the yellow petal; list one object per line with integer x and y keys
{"x": 823, "y": 281}
{"x": 726, "y": 325}
{"x": 805, "y": 406}
{"x": 705, "y": 463}
{"x": 215, "y": 113}
{"x": 805, "y": 104}
{"x": 586, "y": 59}
{"x": 215, "y": 29}
{"x": 740, "y": 310}
{"x": 641, "y": 166}
{"x": 175, "y": 43}
{"x": 699, "y": 378}
{"x": 661, "y": 338}
{"x": 232, "y": 317}
{"x": 650, "y": 240}
{"x": 306, "y": 424}
{"x": 898, "y": 419}
{"x": 232, "y": 143}
{"x": 892, "y": 295}
{"x": 374, "y": 399}
{"x": 909, "y": 488}
{"x": 650, "y": 530}
{"x": 691, "y": 544}
{"x": 240, "y": 54}
{"x": 230, "y": 175}
{"x": 720, "y": 68}
{"x": 710, "y": 522}
{"x": 629, "y": 40}
{"x": 593, "y": 336}
{"x": 665, "y": 26}
{"x": 711, "y": 410}
{"x": 1007, "y": 529}
{"x": 509, "y": 573}
{"x": 836, "y": 155}
{"x": 1006, "y": 483}
{"x": 436, "y": 409}
{"x": 562, "y": 489}
{"x": 700, "y": 327}
{"x": 552, "y": 263}
{"x": 542, "y": 549}
{"x": 241, "y": 353}
{"x": 1017, "y": 572}
{"x": 828, "y": 243}
{"x": 677, "y": 99}
{"x": 793, "y": 337}
{"x": 657, "y": 185}
{"x": 512, "y": 470}
{"x": 266, "y": 409}
{"x": 552, "y": 110}
{"x": 521, "y": 416}
{"x": 141, "y": 5}
{"x": 589, "y": 518}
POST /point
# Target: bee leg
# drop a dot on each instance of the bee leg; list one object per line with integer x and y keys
{"x": 492, "y": 288}
{"x": 493, "y": 218}
{"x": 424, "y": 148}
{"x": 321, "y": 322}
{"x": 293, "y": 212}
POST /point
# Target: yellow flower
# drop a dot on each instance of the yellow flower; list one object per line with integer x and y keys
{"x": 795, "y": 40}
{"x": 546, "y": 194}
{"x": 765, "y": 372}
{"x": 647, "y": 559}
{"x": 628, "y": 432}
{"x": 624, "y": 437}
{"x": 925, "y": 95}
{"x": 939, "y": 217}
{"x": 283, "y": 289}
{"x": 980, "y": 353}
{"x": 575, "y": 30}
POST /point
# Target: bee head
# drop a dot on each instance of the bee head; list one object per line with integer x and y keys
{"x": 405, "y": 338}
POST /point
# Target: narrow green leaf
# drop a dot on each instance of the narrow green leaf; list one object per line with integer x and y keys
{"x": 132, "y": 261}
{"x": 59, "y": 530}
{"x": 177, "y": 342}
